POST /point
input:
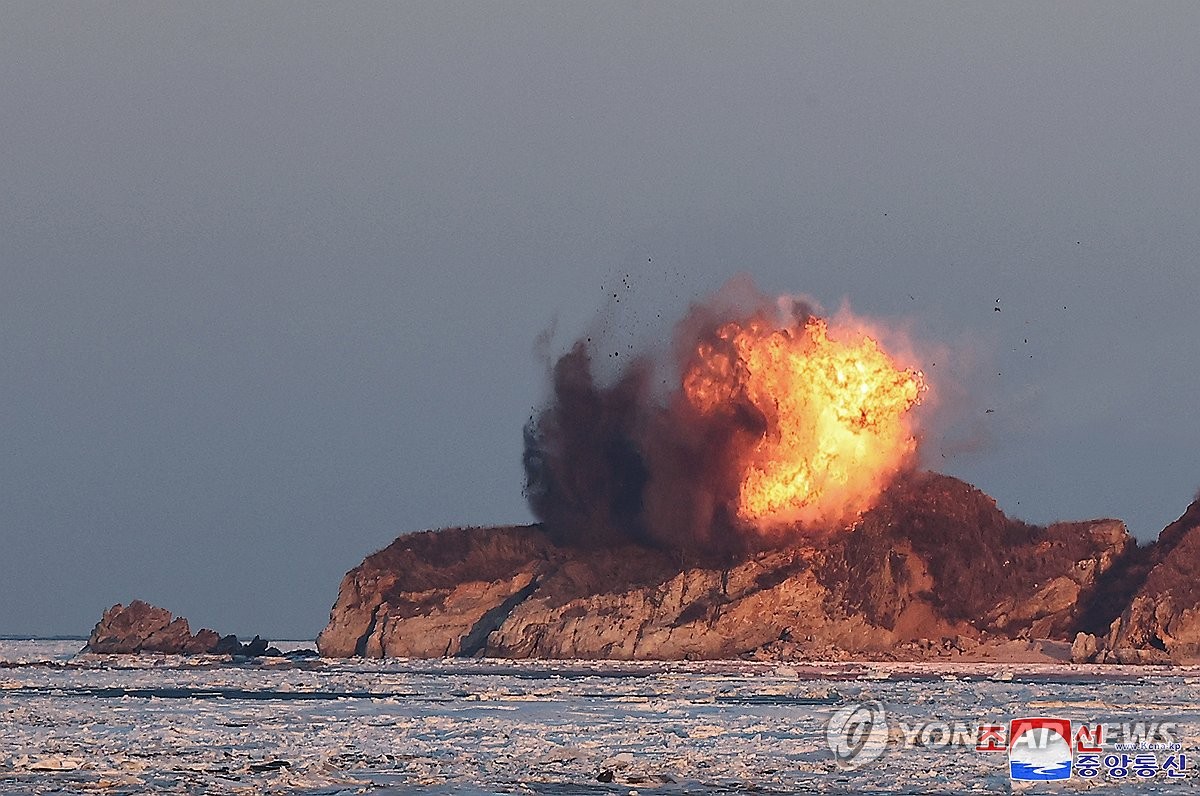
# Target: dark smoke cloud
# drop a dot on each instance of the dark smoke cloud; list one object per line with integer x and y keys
{"x": 626, "y": 461}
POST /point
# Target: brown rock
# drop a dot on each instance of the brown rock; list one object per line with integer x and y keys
{"x": 124, "y": 629}
{"x": 141, "y": 627}
{"x": 937, "y": 542}
{"x": 1084, "y": 648}
{"x": 173, "y": 638}
{"x": 694, "y": 614}
{"x": 395, "y": 602}
{"x": 936, "y": 559}
{"x": 1162, "y": 619}
{"x": 204, "y": 641}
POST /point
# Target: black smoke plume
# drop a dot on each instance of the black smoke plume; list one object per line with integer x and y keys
{"x": 624, "y": 462}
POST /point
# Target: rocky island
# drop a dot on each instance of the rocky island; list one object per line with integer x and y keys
{"x": 934, "y": 569}
{"x": 143, "y": 628}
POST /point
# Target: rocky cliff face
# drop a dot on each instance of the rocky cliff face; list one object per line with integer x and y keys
{"x": 936, "y": 566}
{"x": 424, "y": 594}
{"x": 1160, "y": 620}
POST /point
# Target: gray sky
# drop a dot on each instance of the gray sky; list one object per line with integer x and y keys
{"x": 271, "y": 273}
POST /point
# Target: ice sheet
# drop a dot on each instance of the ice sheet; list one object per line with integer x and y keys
{"x": 114, "y": 724}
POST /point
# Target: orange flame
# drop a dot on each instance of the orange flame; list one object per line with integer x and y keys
{"x": 834, "y": 410}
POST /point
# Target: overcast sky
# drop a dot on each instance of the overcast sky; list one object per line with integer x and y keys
{"x": 271, "y": 273}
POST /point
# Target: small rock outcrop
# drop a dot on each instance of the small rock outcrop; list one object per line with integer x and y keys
{"x": 141, "y": 627}
{"x": 144, "y": 628}
{"x": 935, "y": 569}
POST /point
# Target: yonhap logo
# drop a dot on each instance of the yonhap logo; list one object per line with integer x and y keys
{"x": 857, "y": 734}
{"x": 1043, "y": 749}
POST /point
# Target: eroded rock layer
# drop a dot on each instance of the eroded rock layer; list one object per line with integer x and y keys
{"x": 934, "y": 568}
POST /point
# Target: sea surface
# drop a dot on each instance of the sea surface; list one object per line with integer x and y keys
{"x": 72, "y": 723}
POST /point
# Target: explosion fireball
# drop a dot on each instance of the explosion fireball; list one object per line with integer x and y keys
{"x": 778, "y": 420}
{"x": 834, "y": 409}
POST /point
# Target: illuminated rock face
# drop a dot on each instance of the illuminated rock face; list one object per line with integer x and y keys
{"x": 934, "y": 569}
{"x": 141, "y": 627}
{"x": 1162, "y": 619}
